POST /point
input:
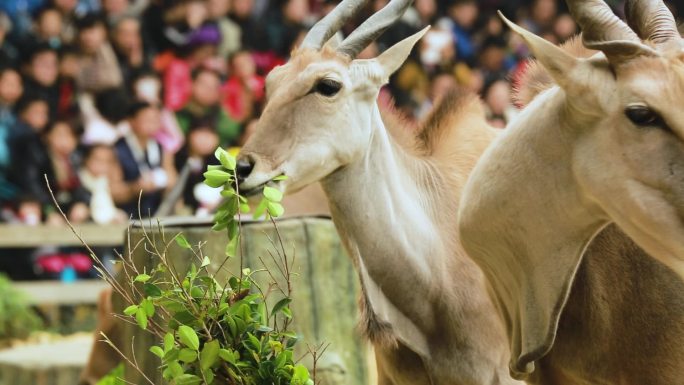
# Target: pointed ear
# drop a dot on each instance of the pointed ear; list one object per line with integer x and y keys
{"x": 334, "y": 41}
{"x": 556, "y": 61}
{"x": 396, "y": 55}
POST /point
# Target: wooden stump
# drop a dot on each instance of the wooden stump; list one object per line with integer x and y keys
{"x": 324, "y": 296}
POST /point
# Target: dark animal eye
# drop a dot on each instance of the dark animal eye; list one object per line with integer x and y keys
{"x": 642, "y": 116}
{"x": 328, "y": 87}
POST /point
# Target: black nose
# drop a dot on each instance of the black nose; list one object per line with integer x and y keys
{"x": 243, "y": 169}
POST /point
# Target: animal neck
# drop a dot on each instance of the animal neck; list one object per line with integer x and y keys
{"x": 380, "y": 206}
{"x": 526, "y": 222}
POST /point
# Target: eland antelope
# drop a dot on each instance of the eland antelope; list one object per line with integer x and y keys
{"x": 604, "y": 145}
{"x": 393, "y": 197}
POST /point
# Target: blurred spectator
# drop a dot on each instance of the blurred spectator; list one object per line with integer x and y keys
{"x": 99, "y": 162}
{"x": 199, "y": 48}
{"x": 8, "y": 54}
{"x": 147, "y": 88}
{"x": 205, "y": 109}
{"x": 128, "y": 46}
{"x": 11, "y": 89}
{"x": 463, "y": 15}
{"x": 244, "y": 90}
{"x": 48, "y": 27}
{"x": 69, "y": 68}
{"x": 144, "y": 165}
{"x": 497, "y": 98}
{"x": 99, "y": 68}
{"x": 61, "y": 140}
{"x": 230, "y": 31}
{"x": 103, "y": 116}
{"x": 197, "y": 154}
{"x": 41, "y": 72}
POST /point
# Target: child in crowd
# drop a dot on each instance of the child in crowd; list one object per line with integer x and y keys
{"x": 147, "y": 88}
{"x": 244, "y": 90}
{"x": 205, "y": 106}
{"x": 11, "y": 89}
{"x": 197, "y": 154}
{"x": 99, "y": 162}
{"x": 144, "y": 165}
{"x": 42, "y": 71}
{"x": 99, "y": 66}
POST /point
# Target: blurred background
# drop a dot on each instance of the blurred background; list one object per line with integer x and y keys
{"x": 110, "y": 97}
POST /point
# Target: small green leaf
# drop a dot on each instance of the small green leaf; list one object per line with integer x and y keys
{"x": 209, "y": 375}
{"x": 131, "y": 310}
{"x": 260, "y": 209}
{"x": 232, "y": 247}
{"x": 244, "y": 208}
{"x": 280, "y": 305}
{"x": 300, "y": 375}
{"x": 175, "y": 369}
{"x": 275, "y": 209}
{"x": 188, "y": 337}
{"x": 169, "y": 342}
{"x": 280, "y": 177}
{"x": 187, "y": 355}
{"x": 148, "y": 306}
{"x": 151, "y": 290}
{"x": 273, "y": 194}
{"x": 142, "y": 278}
{"x": 182, "y": 242}
{"x": 187, "y": 379}
{"x": 227, "y": 355}
{"x": 209, "y": 354}
{"x": 157, "y": 351}
{"x": 141, "y": 318}
{"x": 205, "y": 261}
{"x": 216, "y": 178}
{"x": 228, "y": 161}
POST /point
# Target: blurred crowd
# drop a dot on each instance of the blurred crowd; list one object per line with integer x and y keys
{"x": 111, "y": 97}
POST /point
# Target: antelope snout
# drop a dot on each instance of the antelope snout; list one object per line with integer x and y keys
{"x": 243, "y": 168}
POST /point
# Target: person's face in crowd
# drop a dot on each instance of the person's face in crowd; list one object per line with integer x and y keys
{"x": 206, "y": 89}
{"x": 49, "y": 25}
{"x": 127, "y": 35}
{"x": 296, "y": 11}
{"x": 498, "y": 97}
{"x": 564, "y": 27}
{"x": 146, "y": 122}
{"x": 475, "y": 82}
{"x": 36, "y": 115}
{"x": 243, "y": 65}
{"x": 115, "y": 7}
{"x": 69, "y": 66}
{"x": 494, "y": 26}
{"x": 99, "y": 161}
{"x": 61, "y": 139}
{"x": 196, "y": 13}
{"x": 202, "y": 141}
{"x": 218, "y": 8}
{"x": 543, "y": 12}
{"x": 426, "y": 9}
{"x": 45, "y": 68}
{"x": 92, "y": 38}
{"x": 464, "y": 14}
{"x": 66, "y": 6}
{"x": 242, "y": 9}
{"x": 147, "y": 89}
{"x": 440, "y": 86}
{"x": 11, "y": 87}
{"x": 492, "y": 58}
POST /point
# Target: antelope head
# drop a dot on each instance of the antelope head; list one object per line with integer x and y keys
{"x": 318, "y": 115}
{"x": 625, "y": 105}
